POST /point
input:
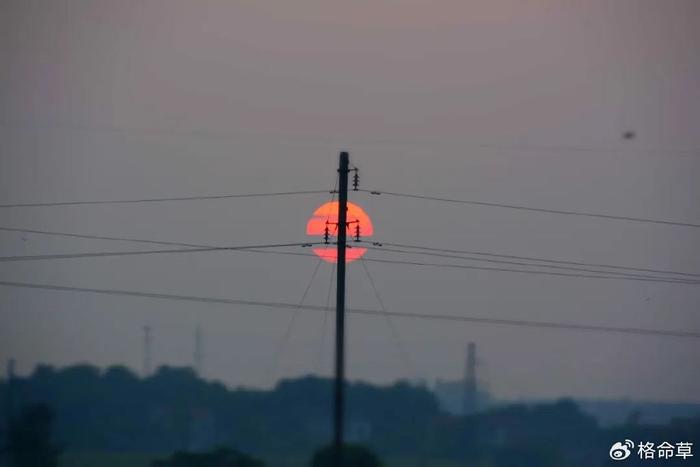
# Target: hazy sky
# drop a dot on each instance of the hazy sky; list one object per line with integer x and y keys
{"x": 519, "y": 102}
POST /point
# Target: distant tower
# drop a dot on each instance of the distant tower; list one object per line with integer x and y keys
{"x": 470, "y": 405}
{"x": 147, "y": 344}
{"x": 10, "y": 388}
{"x": 198, "y": 351}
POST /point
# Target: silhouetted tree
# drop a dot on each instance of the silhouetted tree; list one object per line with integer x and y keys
{"x": 173, "y": 409}
{"x": 29, "y": 438}
{"x": 219, "y": 458}
{"x": 353, "y": 456}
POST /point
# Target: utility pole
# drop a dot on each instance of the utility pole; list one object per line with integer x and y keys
{"x": 147, "y": 344}
{"x": 339, "y": 388}
{"x": 198, "y": 351}
{"x": 470, "y": 380}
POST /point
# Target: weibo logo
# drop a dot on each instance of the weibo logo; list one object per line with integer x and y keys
{"x": 621, "y": 451}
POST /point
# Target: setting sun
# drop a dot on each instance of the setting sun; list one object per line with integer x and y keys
{"x": 327, "y": 216}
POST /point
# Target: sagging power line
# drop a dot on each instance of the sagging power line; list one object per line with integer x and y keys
{"x": 526, "y": 271}
{"x": 148, "y": 252}
{"x": 531, "y": 258}
{"x": 165, "y": 199}
{"x": 196, "y": 247}
{"x": 620, "y": 274}
{"x": 359, "y": 311}
{"x": 532, "y": 208}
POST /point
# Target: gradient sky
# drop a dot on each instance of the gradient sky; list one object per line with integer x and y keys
{"x": 519, "y": 102}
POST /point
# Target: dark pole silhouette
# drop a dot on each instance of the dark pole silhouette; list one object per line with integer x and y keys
{"x": 198, "y": 357}
{"x": 339, "y": 399}
{"x": 147, "y": 350}
{"x": 470, "y": 380}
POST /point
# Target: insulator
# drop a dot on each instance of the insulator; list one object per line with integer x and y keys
{"x": 356, "y": 181}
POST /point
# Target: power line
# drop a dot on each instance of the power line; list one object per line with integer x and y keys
{"x": 159, "y": 200}
{"x": 535, "y": 209}
{"x": 403, "y": 354}
{"x": 530, "y": 258}
{"x": 326, "y": 313}
{"x": 285, "y": 337}
{"x": 362, "y": 311}
{"x": 128, "y": 239}
{"x": 524, "y": 271}
{"x": 146, "y": 252}
{"x": 257, "y": 249}
{"x": 415, "y": 263}
{"x": 103, "y": 254}
{"x": 543, "y": 324}
{"x": 401, "y": 245}
{"x": 153, "y": 242}
{"x": 188, "y": 298}
{"x": 552, "y": 266}
{"x": 254, "y": 250}
{"x": 103, "y": 237}
{"x": 290, "y": 325}
{"x": 485, "y": 268}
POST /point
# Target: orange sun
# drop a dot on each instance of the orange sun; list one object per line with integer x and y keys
{"x": 327, "y": 215}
